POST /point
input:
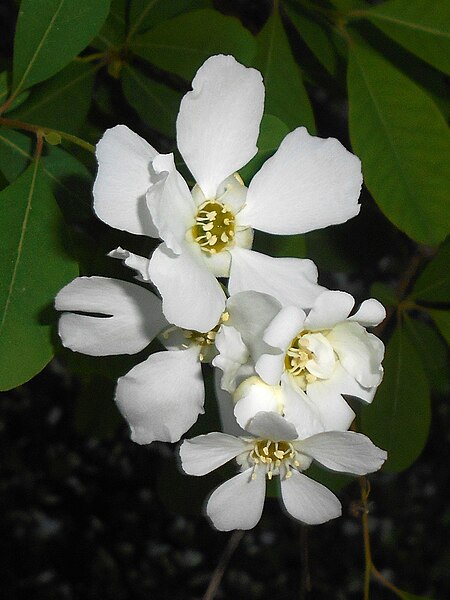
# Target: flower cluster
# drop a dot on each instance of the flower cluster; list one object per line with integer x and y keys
{"x": 288, "y": 351}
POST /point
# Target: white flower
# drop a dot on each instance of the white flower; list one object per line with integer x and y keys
{"x": 161, "y": 397}
{"x": 276, "y": 450}
{"x": 309, "y": 183}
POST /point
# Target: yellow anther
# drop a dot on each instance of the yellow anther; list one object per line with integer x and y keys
{"x": 214, "y": 226}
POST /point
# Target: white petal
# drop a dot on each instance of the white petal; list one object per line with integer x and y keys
{"x": 233, "y": 353}
{"x": 284, "y": 327}
{"x": 250, "y": 313}
{"x": 132, "y": 316}
{"x": 270, "y": 367}
{"x": 329, "y": 406}
{"x": 237, "y": 503}
{"x": 292, "y": 281}
{"x": 218, "y": 122}
{"x": 330, "y": 308}
{"x": 162, "y": 397}
{"x": 359, "y": 352}
{"x": 225, "y": 404}
{"x": 299, "y": 410}
{"x": 271, "y": 426}
{"x": 254, "y": 396}
{"x": 192, "y": 296}
{"x": 370, "y": 313}
{"x": 170, "y": 203}
{"x": 123, "y": 178}
{"x": 204, "y": 453}
{"x": 347, "y": 451}
{"x": 309, "y": 501}
{"x": 344, "y": 383}
{"x": 309, "y": 183}
{"x": 132, "y": 261}
{"x": 323, "y": 363}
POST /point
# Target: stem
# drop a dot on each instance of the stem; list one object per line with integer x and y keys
{"x": 365, "y": 490}
{"x": 43, "y": 131}
{"x": 233, "y": 542}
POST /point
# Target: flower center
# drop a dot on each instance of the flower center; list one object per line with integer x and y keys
{"x": 296, "y": 359}
{"x": 206, "y": 341}
{"x": 214, "y": 228}
{"x": 273, "y": 456}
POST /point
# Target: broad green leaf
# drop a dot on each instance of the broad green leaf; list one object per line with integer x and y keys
{"x": 182, "y": 44}
{"x": 61, "y": 102}
{"x": 384, "y": 293}
{"x": 421, "y": 26}
{"x": 433, "y": 285}
{"x": 398, "y": 420}
{"x": 404, "y": 144}
{"x": 317, "y": 38}
{"x": 146, "y": 14}
{"x": 49, "y": 36}
{"x": 4, "y": 93}
{"x": 442, "y": 320}
{"x": 286, "y": 97}
{"x": 34, "y": 264}
{"x": 155, "y": 103}
{"x": 114, "y": 30}
{"x": 271, "y": 134}
{"x": 15, "y": 153}
{"x": 69, "y": 180}
{"x": 435, "y": 359}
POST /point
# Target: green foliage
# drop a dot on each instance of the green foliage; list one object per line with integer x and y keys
{"x": 433, "y": 285}
{"x": 34, "y": 265}
{"x": 286, "y": 97}
{"x": 403, "y": 142}
{"x": 47, "y": 39}
{"x": 182, "y": 44}
{"x": 421, "y": 26}
{"x": 398, "y": 420}
{"x": 146, "y": 14}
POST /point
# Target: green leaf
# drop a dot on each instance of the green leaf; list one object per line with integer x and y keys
{"x": 69, "y": 180}
{"x": 315, "y": 36}
{"x": 34, "y": 266}
{"x": 403, "y": 142}
{"x": 4, "y": 93}
{"x": 421, "y": 26}
{"x": 114, "y": 30}
{"x": 286, "y": 97}
{"x": 182, "y": 44}
{"x": 384, "y": 293}
{"x": 442, "y": 320}
{"x": 155, "y": 103}
{"x": 48, "y": 37}
{"x": 61, "y": 102}
{"x": 398, "y": 420}
{"x": 433, "y": 285}
{"x": 271, "y": 134}
{"x": 435, "y": 360}
{"x": 145, "y": 14}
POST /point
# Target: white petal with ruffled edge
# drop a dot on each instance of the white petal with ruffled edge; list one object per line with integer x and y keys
{"x": 300, "y": 410}
{"x": 192, "y": 296}
{"x": 218, "y": 122}
{"x": 237, "y": 503}
{"x": 309, "y": 183}
{"x": 233, "y": 354}
{"x": 370, "y": 313}
{"x": 359, "y": 352}
{"x": 123, "y": 178}
{"x": 170, "y": 203}
{"x": 330, "y": 308}
{"x": 162, "y": 397}
{"x": 343, "y": 383}
{"x": 292, "y": 281}
{"x": 254, "y": 396}
{"x": 348, "y": 452}
{"x": 132, "y": 316}
{"x": 309, "y": 501}
{"x": 204, "y": 453}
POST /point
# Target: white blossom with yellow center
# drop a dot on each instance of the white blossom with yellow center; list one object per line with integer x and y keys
{"x": 207, "y": 232}
{"x": 310, "y": 361}
{"x": 274, "y": 449}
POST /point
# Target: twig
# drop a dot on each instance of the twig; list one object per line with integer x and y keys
{"x": 233, "y": 543}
